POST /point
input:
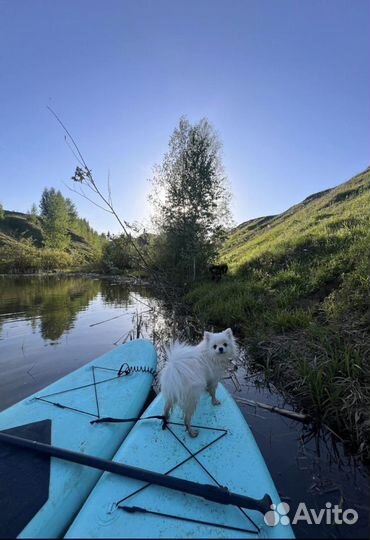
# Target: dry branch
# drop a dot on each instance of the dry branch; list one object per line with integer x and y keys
{"x": 300, "y": 417}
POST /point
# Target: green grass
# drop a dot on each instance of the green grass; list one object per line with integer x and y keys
{"x": 298, "y": 293}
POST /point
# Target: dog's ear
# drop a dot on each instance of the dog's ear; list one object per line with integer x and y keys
{"x": 206, "y": 336}
{"x": 229, "y": 333}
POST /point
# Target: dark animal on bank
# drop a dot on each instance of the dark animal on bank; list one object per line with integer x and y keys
{"x": 217, "y": 271}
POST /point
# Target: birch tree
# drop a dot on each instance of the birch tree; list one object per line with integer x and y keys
{"x": 191, "y": 202}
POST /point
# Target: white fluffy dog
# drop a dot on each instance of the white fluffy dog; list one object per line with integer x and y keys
{"x": 192, "y": 369}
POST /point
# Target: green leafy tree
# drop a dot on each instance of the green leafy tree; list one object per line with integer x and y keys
{"x": 56, "y": 219}
{"x": 117, "y": 256}
{"x": 191, "y": 202}
{"x": 2, "y": 213}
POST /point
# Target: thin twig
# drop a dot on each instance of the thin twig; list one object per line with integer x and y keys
{"x": 84, "y": 175}
{"x": 87, "y": 198}
{"x": 283, "y": 412}
{"x": 111, "y": 319}
{"x": 333, "y": 433}
{"x": 141, "y": 302}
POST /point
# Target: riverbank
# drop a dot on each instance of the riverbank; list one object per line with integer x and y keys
{"x": 298, "y": 292}
{"x": 129, "y": 280}
{"x": 317, "y": 360}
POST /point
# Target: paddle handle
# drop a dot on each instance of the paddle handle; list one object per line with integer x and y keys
{"x": 212, "y": 493}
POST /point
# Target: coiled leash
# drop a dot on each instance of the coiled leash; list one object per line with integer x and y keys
{"x": 125, "y": 369}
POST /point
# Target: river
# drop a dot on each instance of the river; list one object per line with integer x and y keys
{"x": 51, "y": 325}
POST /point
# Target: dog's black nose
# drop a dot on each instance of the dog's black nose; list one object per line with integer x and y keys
{"x": 221, "y": 349}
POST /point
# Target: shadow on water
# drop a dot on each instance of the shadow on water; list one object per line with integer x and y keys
{"x": 52, "y": 325}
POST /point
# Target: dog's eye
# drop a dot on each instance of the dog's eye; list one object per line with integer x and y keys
{"x": 215, "y": 346}
{"x": 225, "y": 344}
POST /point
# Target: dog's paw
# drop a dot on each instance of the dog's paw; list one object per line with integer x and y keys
{"x": 193, "y": 433}
{"x": 216, "y": 401}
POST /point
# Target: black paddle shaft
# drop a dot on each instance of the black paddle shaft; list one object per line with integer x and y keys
{"x": 212, "y": 493}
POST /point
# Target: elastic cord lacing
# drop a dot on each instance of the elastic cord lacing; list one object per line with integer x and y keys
{"x": 165, "y": 425}
{"x": 123, "y": 371}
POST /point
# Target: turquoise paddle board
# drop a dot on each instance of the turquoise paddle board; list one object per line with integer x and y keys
{"x": 39, "y": 496}
{"x": 224, "y": 454}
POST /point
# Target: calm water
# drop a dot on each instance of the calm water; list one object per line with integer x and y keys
{"x": 49, "y": 326}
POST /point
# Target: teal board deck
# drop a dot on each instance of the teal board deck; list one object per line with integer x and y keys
{"x": 79, "y": 401}
{"x": 226, "y": 454}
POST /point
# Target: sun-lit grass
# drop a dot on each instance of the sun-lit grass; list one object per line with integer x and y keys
{"x": 298, "y": 293}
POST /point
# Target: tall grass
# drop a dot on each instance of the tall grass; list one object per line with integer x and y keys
{"x": 299, "y": 296}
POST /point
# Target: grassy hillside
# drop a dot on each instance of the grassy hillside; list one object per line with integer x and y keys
{"x": 22, "y": 240}
{"x": 299, "y": 293}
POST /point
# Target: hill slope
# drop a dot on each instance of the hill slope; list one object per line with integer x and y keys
{"x": 332, "y": 217}
{"x": 22, "y": 240}
{"x": 299, "y": 294}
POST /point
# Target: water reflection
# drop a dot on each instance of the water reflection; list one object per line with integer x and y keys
{"x": 54, "y": 302}
{"x": 115, "y": 294}
{"x": 51, "y": 325}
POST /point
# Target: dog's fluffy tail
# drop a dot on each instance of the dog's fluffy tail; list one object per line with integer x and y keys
{"x": 182, "y": 382}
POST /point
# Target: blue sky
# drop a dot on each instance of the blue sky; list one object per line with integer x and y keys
{"x": 284, "y": 82}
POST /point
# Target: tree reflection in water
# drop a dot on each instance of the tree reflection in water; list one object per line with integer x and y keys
{"x": 54, "y": 301}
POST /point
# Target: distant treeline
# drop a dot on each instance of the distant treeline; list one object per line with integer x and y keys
{"x": 51, "y": 236}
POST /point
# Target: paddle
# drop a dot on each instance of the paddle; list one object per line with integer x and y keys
{"x": 212, "y": 493}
